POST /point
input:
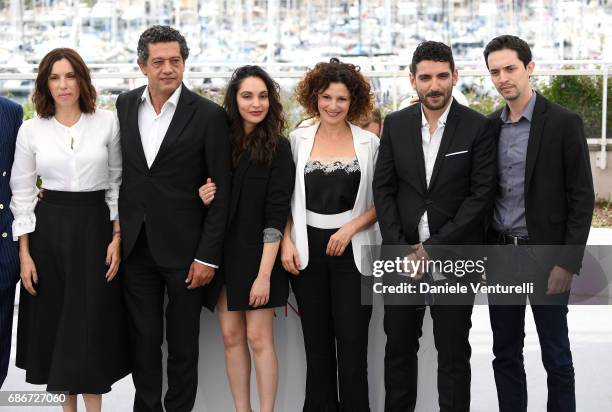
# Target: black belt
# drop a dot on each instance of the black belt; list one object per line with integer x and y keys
{"x": 506, "y": 239}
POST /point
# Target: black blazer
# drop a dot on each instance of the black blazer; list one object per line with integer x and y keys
{"x": 559, "y": 195}
{"x": 196, "y": 146}
{"x": 261, "y": 198}
{"x": 462, "y": 186}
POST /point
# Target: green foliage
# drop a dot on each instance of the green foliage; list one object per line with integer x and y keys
{"x": 484, "y": 105}
{"x": 28, "y": 110}
{"x": 583, "y": 95}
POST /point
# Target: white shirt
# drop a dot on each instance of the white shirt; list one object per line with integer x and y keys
{"x": 153, "y": 126}
{"x": 431, "y": 146}
{"x": 83, "y": 158}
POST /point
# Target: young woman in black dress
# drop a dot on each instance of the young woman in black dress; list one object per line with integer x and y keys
{"x": 251, "y": 276}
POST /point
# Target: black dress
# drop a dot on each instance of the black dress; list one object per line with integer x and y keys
{"x": 261, "y": 199}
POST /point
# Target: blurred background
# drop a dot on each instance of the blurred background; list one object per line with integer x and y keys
{"x": 571, "y": 42}
{"x": 572, "y": 47}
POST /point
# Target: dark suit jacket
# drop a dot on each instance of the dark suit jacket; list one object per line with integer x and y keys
{"x": 462, "y": 186}
{"x": 261, "y": 198}
{"x": 559, "y": 195}
{"x": 179, "y": 227}
{"x": 11, "y": 116}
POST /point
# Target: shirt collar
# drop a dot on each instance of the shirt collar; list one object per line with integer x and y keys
{"x": 74, "y": 127}
{"x": 441, "y": 120}
{"x": 173, "y": 100}
{"x": 527, "y": 113}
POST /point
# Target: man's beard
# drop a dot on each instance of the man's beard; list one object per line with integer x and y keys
{"x": 436, "y": 106}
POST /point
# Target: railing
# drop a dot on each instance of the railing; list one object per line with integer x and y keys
{"x": 396, "y": 70}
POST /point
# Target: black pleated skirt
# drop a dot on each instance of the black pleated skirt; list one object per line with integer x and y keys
{"x": 72, "y": 335}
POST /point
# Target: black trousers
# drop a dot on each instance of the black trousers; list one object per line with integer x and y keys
{"x": 335, "y": 326}
{"x": 513, "y": 265}
{"x": 7, "y": 303}
{"x": 451, "y": 329}
{"x": 144, "y": 285}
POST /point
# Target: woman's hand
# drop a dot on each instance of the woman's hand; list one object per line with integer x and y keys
{"x": 289, "y": 256}
{"x": 340, "y": 240}
{"x": 207, "y": 192}
{"x": 260, "y": 291}
{"x": 113, "y": 257}
{"x": 28, "y": 274}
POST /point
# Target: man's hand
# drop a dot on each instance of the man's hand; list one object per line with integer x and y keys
{"x": 559, "y": 281}
{"x": 113, "y": 258}
{"x": 418, "y": 274}
{"x": 199, "y": 275}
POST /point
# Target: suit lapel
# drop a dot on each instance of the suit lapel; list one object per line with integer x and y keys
{"x": 182, "y": 115}
{"x": 133, "y": 134}
{"x": 243, "y": 166}
{"x": 413, "y": 126}
{"x": 447, "y": 137}
{"x": 538, "y": 121}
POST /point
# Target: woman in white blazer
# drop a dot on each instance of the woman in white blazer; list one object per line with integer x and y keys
{"x": 332, "y": 217}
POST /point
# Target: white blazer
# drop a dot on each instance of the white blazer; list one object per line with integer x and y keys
{"x": 366, "y": 149}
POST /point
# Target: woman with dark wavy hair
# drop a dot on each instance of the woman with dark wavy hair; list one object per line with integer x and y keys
{"x": 252, "y": 281}
{"x": 72, "y": 333}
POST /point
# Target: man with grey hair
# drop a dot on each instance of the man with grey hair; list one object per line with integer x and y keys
{"x": 172, "y": 141}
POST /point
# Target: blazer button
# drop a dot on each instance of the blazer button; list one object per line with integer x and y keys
{"x": 1, "y": 206}
{"x": 4, "y": 234}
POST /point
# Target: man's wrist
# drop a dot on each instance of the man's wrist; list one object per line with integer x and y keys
{"x": 206, "y": 263}
{"x": 420, "y": 252}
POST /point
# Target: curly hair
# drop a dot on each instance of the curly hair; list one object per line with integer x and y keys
{"x": 42, "y": 98}
{"x": 317, "y": 80}
{"x": 262, "y": 141}
{"x": 160, "y": 34}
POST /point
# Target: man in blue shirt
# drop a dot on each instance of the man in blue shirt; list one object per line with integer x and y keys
{"x": 543, "y": 211}
{"x": 11, "y": 116}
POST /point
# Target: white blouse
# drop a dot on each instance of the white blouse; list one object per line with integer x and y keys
{"x": 83, "y": 158}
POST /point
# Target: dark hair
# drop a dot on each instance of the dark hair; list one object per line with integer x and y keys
{"x": 318, "y": 79}
{"x": 262, "y": 141}
{"x": 160, "y": 34}
{"x": 42, "y": 97}
{"x": 508, "y": 41}
{"x": 434, "y": 51}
